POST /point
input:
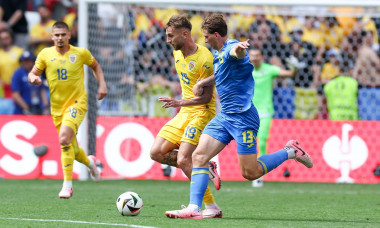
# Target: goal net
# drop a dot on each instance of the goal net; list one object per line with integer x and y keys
{"x": 318, "y": 39}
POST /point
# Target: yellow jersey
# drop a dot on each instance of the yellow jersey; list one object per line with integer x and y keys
{"x": 65, "y": 75}
{"x": 190, "y": 70}
{"x": 40, "y": 31}
{"x": 9, "y": 62}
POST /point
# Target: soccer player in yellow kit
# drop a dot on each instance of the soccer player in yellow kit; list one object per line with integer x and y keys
{"x": 177, "y": 140}
{"x": 63, "y": 65}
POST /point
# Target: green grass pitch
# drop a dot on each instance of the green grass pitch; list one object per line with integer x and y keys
{"x": 35, "y": 203}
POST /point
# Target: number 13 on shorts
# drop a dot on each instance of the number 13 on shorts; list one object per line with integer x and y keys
{"x": 248, "y": 138}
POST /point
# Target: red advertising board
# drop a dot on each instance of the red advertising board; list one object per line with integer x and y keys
{"x": 342, "y": 151}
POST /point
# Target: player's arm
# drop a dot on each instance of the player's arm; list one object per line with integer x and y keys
{"x": 99, "y": 75}
{"x": 197, "y": 100}
{"x": 202, "y": 83}
{"x": 34, "y": 76}
{"x": 286, "y": 73}
{"x": 238, "y": 51}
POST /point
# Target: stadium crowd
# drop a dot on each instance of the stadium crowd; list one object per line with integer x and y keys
{"x": 131, "y": 47}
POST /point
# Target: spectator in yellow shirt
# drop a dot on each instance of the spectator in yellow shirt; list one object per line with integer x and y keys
{"x": 9, "y": 62}
{"x": 40, "y": 33}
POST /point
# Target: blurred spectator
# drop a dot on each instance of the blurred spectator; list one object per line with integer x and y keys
{"x": 9, "y": 62}
{"x": 367, "y": 67}
{"x": 331, "y": 68}
{"x": 367, "y": 73}
{"x": 348, "y": 53}
{"x": 28, "y": 98}
{"x": 311, "y": 33}
{"x": 40, "y": 33}
{"x": 342, "y": 98}
{"x": 12, "y": 17}
{"x": 333, "y": 33}
{"x": 303, "y": 58}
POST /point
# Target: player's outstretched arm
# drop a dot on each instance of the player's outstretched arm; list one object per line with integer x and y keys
{"x": 199, "y": 86}
{"x": 239, "y": 50}
{"x": 205, "y": 98}
{"x": 99, "y": 75}
{"x": 34, "y": 77}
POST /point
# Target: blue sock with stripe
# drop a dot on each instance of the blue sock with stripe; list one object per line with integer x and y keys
{"x": 198, "y": 185}
{"x": 271, "y": 161}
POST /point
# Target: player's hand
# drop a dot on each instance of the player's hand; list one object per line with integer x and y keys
{"x": 197, "y": 89}
{"x": 35, "y": 80}
{"x": 169, "y": 102}
{"x": 241, "y": 46}
{"x": 102, "y": 91}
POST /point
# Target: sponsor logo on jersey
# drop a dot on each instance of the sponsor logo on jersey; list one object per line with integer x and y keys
{"x": 191, "y": 65}
{"x": 205, "y": 66}
{"x": 73, "y": 58}
{"x": 52, "y": 60}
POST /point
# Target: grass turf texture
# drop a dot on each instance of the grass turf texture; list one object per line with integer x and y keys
{"x": 275, "y": 205}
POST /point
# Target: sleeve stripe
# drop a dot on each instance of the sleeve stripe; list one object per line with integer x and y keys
{"x": 38, "y": 69}
{"x": 93, "y": 63}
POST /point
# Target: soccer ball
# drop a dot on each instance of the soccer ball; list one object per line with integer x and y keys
{"x": 129, "y": 204}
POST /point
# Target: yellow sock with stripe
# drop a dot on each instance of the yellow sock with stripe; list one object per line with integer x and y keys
{"x": 198, "y": 185}
{"x": 80, "y": 155}
{"x": 208, "y": 199}
{"x": 271, "y": 161}
{"x": 67, "y": 160}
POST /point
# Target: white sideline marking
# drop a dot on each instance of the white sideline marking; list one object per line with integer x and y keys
{"x": 81, "y": 222}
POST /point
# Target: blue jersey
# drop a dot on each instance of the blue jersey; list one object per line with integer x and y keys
{"x": 29, "y": 93}
{"x": 233, "y": 79}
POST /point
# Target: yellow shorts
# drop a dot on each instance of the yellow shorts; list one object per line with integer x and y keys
{"x": 186, "y": 127}
{"x": 73, "y": 115}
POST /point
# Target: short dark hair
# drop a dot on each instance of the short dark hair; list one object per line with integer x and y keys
{"x": 60, "y": 24}
{"x": 215, "y": 23}
{"x": 179, "y": 21}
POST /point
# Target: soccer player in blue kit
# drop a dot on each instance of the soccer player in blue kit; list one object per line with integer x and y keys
{"x": 238, "y": 118}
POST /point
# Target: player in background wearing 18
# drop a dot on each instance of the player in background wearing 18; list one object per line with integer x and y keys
{"x": 63, "y": 65}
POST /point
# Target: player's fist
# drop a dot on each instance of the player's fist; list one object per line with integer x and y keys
{"x": 34, "y": 79}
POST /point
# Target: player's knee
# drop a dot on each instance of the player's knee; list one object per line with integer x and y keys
{"x": 251, "y": 174}
{"x": 199, "y": 159}
{"x": 183, "y": 161}
{"x": 155, "y": 155}
{"x": 64, "y": 140}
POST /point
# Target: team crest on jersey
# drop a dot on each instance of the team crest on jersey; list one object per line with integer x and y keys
{"x": 191, "y": 65}
{"x": 73, "y": 58}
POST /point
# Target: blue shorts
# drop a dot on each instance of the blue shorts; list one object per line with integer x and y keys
{"x": 242, "y": 127}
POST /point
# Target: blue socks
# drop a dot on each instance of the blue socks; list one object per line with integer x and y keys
{"x": 198, "y": 185}
{"x": 271, "y": 161}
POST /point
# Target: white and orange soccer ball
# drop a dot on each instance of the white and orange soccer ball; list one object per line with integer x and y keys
{"x": 129, "y": 204}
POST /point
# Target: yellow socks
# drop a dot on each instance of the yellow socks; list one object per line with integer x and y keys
{"x": 80, "y": 155}
{"x": 67, "y": 160}
{"x": 208, "y": 197}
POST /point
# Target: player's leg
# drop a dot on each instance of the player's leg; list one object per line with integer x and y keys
{"x": 71, "y": 120}
{"x": 164, "y": 152}
{"x": 207, "y": 148}
{"x": 89, "y": 161}
{"x": 262, "y": 136}
{"x": 164, "y": 148}
{"x": 252, "y": 167}
{"x": 185, "y": 152}
{"x": 67, "y": 159}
